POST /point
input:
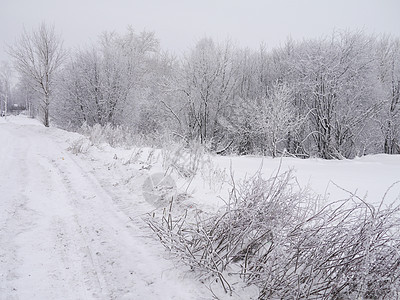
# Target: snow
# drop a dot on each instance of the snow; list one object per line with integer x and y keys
{"x": 65, "y": 235}
{"x": 369, "y": 177}
{"x": 72, "y": 227}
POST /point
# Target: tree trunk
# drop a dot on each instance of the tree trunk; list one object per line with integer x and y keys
{"x": 46, "y": 111}
{"x": 5, "y": 106}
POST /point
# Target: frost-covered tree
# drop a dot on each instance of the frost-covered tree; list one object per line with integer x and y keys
{"x": 80, "y": 91}
{"x": 124, "y": 65}
{"x": 263, "y": 125}
{"x": 255, "y": 74}
{"x": 38, "y": 55}
{"x": 389, "y": 75}
{"x": 205, "y": 84}
{"x": 276, "y": 119}
{"x": 333, "y": 97}
{"x": 335, "y": 84}
{"x": 106, "y": 83}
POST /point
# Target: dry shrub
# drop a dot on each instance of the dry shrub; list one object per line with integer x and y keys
{"x": 270, "y": 235}
{"x": 184, "y": 159}
{"x": 113, "y": 135}
{"x": 78, "y": 146}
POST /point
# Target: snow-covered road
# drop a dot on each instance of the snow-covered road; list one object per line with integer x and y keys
{"x": 63, "y": 234}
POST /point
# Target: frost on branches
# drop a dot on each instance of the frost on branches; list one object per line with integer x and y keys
{"x": 273, "y": 235}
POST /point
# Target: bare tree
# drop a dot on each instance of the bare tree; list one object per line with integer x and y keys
{"x": 38, "y": 55}
{"x": 335, "y": 82}
{"x": 206, "y": 82}
{"x": 275, "y": 118}
{"x": 389, "y": 75}
{"x": 110, "y": 82}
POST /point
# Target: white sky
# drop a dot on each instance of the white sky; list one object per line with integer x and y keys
{"x": 179, "y": 24}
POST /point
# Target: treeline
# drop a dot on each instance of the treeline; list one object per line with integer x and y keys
{"x": 333, "y": 97}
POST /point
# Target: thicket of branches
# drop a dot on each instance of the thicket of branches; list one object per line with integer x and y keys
{"x": 273, "y": 235}
{"x": 332, "y": 97}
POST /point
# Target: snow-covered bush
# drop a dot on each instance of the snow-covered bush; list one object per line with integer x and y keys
{"x": 348, "y": 250}
{"x": 113, "y": 135}
{"x": 257, "y": 211}
{"x": 78, "y": 146}
{"x": 116, "y": 135}
{"x": 271, "y": 234}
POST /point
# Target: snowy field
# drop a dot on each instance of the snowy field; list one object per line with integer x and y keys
{"x": 71, "y": 225}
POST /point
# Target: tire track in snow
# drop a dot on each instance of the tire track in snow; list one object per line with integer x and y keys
{"x": 35, "y": 257}
{"x": 14, "y": 215}
{"x": 102, "y": 233}
{"x": 130, "y": 257}
{"x": 80, "y": 242}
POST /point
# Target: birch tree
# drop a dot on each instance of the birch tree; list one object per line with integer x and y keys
{"x": 38, "y": 55}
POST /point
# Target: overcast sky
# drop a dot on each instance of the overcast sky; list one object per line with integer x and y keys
{"x": 179, "y": 24}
